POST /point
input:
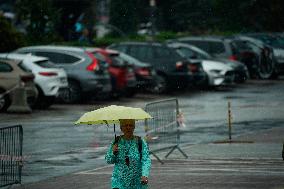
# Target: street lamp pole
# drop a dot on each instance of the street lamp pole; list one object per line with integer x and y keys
{"x": 153, "y": 17}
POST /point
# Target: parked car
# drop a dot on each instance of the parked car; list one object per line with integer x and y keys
{"x": 86, "y": 74}
{"x": 269, "y": 41}
{"x": 145, "y": 74}
{"x": 49, "y": 79}
{"x": 122, "y": 73}
{"x": 224, "y": 48}
{"x": 266, "y": 62}
{"x": 173, "y": 70}
{"x": 218, "y": 72}
{"x": 12, "y": 74}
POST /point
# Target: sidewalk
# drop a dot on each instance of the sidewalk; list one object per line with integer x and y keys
{"x": 222, "y": 165}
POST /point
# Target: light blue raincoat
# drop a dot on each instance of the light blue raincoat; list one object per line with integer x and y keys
{"x": 129, "y": 177}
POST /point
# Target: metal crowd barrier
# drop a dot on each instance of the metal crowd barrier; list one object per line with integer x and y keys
{"x": 11, "y": 145}
{"x": 162, "y": 132}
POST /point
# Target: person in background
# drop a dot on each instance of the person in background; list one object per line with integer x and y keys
{"x": 130, "y": 154}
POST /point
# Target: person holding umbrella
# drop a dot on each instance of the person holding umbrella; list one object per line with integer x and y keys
{"x": 130, "y": 154}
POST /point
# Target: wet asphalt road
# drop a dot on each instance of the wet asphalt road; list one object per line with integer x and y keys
{"x": 54, "y": 146}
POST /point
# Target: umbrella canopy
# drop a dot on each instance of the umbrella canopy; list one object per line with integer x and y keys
{"x": 112, "y": 114}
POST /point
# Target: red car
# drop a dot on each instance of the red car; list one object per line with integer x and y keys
{"x": 122, "y": 74}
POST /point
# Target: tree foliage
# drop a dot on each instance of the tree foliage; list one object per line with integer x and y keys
{"x": 202, "y": 15}
{"x": 9, "y": 37}
{"x": 125, "y": 15}
{"x": 40, "y": 17}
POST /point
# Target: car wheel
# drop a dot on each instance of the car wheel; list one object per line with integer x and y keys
{"x": 205, "y": 84}
{"x": 5, "y": 101}
{"x": 160, "y": 85}
{"x": 42, "y": 101}
{"x": 73, "y": 95}
{"x": 266, "y": 65}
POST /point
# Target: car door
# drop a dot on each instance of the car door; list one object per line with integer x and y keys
{"x": 8, "y": 79}
{"x": 166, "y": 58}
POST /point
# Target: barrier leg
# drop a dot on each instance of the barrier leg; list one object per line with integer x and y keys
{"x": 157, "y": 157}
{"x": 176, "y": 147}
{"x": 182, "y": 152}
{"x": 283, "y": 152}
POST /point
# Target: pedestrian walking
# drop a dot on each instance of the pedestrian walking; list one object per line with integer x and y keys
{"x": 130, "y": 156}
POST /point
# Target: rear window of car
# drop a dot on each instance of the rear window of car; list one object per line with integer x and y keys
{"x": 211, "y": 47}
{"x": 167, "y": 53}
{"x": 162, "y": 52}
{"x": 5, "y": 67}
{"x": 59, "y": 57}
{"x": 241, "y": 45}
{"x": 141, "y": 52}
{"x": 200, "y": 44}
{"x": 46, "y": 64}
{"x": 253, "y": 47}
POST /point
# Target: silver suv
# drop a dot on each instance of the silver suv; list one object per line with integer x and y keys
{"x": 86, "y": 73}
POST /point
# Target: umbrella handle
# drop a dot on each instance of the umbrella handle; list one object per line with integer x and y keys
{"x": 114, "y": 131}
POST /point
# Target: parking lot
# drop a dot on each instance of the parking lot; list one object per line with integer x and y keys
{"x": 54, "y": 146}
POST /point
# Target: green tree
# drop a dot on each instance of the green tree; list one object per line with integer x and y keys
{"x": 222, "y": 15}
{"x": 124, "y": 15}
{"x": 41, "y": 18}
{"x": 266, "y": 15}
{"x": 9, "y": 37}
{"x": 230, "y": 15}
{"x": 185, "y": 15}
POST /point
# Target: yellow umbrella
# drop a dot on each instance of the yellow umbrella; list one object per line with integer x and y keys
{"x": 112, "y": 114}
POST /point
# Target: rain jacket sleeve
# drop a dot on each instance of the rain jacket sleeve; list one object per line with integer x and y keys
{"x": 146, "y": 160}
{"x": 110, "y": 157}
